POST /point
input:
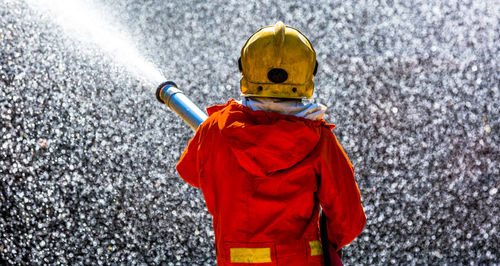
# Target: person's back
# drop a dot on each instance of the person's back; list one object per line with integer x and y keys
{"x": 267, "y": 164}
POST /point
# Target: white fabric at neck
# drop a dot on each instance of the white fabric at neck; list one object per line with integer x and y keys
{"x": 297, "y": 108}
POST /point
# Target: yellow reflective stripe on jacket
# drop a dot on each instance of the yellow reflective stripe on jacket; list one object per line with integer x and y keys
{"x": 250, "y": 255}
{"x": 316, "y": 248}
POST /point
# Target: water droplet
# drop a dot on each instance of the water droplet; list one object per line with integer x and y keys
{"x": 487, "y": 129}
{"x": 43, "y": 143}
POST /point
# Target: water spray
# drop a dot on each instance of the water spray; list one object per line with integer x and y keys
{"x": 90, "y": 24}
{"x": 169, "y": 94}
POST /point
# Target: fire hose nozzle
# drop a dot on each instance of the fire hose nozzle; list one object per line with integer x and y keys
{"x": 169, "y": 94}
{"x": 165, "y": 85}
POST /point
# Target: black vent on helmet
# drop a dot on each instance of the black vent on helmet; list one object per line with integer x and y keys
{"x": 277, "y": 75}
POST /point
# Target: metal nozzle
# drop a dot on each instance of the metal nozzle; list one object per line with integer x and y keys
{"x": 161, "y": 87}
{"x": 169, "y": 94}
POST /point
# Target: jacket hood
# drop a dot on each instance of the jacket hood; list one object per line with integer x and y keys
{"x": 266, "y": 142}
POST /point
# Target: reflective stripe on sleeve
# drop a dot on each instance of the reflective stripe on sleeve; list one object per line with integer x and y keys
{"x": 316, "y": 248}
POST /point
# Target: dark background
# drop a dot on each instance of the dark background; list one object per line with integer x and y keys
{"x": 87, "y": 154}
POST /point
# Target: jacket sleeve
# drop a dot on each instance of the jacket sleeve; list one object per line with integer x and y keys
{"x": 339, "y": 194}
{"x": 188, "y": 166}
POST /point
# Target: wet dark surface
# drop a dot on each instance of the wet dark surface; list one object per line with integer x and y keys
{"x": 87, "y": 154}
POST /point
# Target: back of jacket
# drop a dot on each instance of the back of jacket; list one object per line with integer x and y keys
{"x": 264, "y": 176}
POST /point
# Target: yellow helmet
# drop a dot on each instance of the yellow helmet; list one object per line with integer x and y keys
{"x": 278, "y": 62}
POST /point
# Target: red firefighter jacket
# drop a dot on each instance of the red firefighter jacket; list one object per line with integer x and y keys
{"x": 264, "y": 176}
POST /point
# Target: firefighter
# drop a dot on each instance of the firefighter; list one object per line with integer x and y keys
{"x": 267, "y": 163}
